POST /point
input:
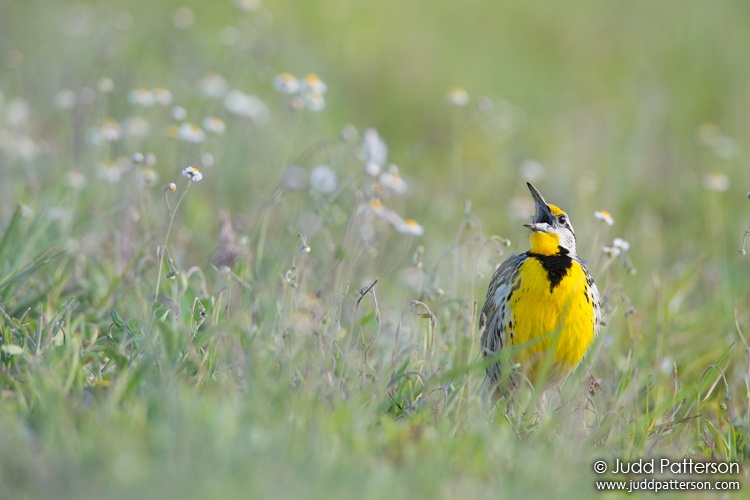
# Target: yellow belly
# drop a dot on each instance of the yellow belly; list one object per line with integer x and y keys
{"x": 561, "y": 319}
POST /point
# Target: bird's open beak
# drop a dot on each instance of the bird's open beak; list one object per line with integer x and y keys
{"x": 543, "y": 217}
{"x": 542, "y": 227}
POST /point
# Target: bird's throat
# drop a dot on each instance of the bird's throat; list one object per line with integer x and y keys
{"x": 544, "y": 243}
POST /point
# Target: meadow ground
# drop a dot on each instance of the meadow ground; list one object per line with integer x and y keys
{"x": 302, "y": 320}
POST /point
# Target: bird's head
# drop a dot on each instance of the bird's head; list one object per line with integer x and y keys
{"x": 551, "y": 231}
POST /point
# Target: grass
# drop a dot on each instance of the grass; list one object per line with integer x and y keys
{"x": 255, "y": 339}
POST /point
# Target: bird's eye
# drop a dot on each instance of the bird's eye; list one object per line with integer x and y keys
{"x": 562, "y": 219}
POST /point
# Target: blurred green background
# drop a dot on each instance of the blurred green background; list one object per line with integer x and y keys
{"x": 636, "y": 107}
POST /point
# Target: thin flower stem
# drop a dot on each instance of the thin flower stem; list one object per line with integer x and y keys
{"x": 162, "y": 249}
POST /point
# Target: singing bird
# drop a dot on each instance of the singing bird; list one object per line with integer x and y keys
{"x": 542, "y": 306}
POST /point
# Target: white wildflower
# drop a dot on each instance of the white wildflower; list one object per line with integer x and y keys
{"x": 611, "y": 251}
{"x": 110, "y": 172}
{"x": 213, "y": 85}
{"x": 458, "y": 97}
{"x": 410, "y": 226}
{"x": 179, "y": 113}
{"x": 374, "y": 151}
{"x": 314, "y": 101}
{"x": 248, "y": 106}
{"x": 142, "y": 97}
{"x": 190, "y": 132}
{"x": 392, "y": 180}
{"x": 105, "y": 85}
{"x": 716, "y": 181}
{"x": 323, "y": 179}
{"x": 286, "y": 83}
{"x": 192, "y": 173}
{"x": 604, "y": 216}
{"x": 313, "y": 83}
{"x": 76, "y": 180}
{"x": 162, "y": 96}
{"x": 65, "y": 99}
{"x": 136, "y": 126}
{"x": 621, "y": 244}
{"x": 110, "y": 131}
{"x": 214, "y": 124}
{"x": 147, "y": 177}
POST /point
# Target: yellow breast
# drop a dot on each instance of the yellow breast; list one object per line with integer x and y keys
{"x": 559, "y": 317}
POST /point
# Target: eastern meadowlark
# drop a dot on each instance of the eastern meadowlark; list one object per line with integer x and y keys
{"x": 542, "y": 305}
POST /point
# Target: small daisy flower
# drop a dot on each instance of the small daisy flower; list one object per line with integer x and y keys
{"x": 162, "y": 96}
{"x": 248, "y": 106}
{"x": 65, "y": 99}
{"x": 147, "y": 177}
{"x": 458, "y": 97}
{"x": 179, "y": 113}
{"x": 314, "y": 101}
{"x": 214, "y": 124}
{"x": 372, "y": 168}
{"x": 110, "y": 130}
{"x": 611, "y": 251}
{"x": 142, "y": 97}
{"x": 716, "y": 181}
{"x": 286, "y": 83}
{"x": 392, "y": 180}
{"x": 190, "y": 132}
{"x": 410, "y": 226}
{"x": 105, "y": 85}
{"x": 323, "y": 179}
{"x": 213, "y": 85}
{"x": 192, "y": 173}
{"x": 172, "y": 186}
{"x": 76, "y": 180}
{"x": 621, "y": 244}
{"x": 604, "y": 216}
{"x": 376, "y": 206}
{"x": 374, "y": 151}
{"x": 110, "y": 172}
{"x": 313, "y": 83}
{"x": 137, "y": 127}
